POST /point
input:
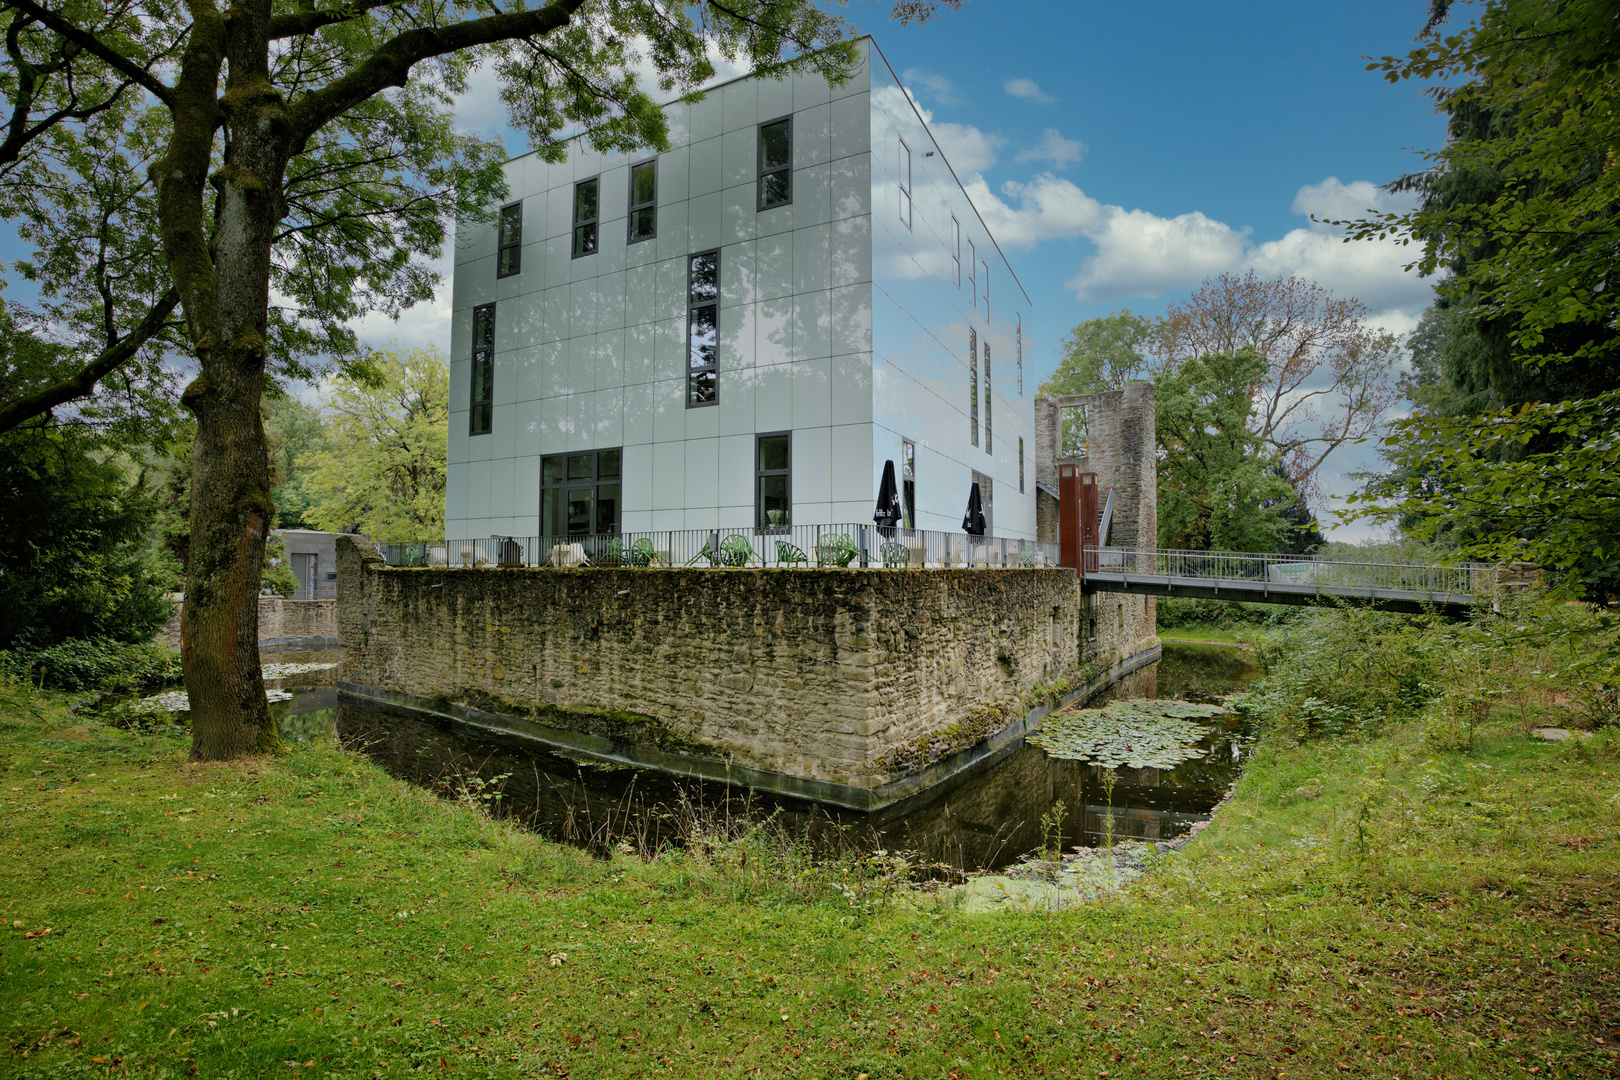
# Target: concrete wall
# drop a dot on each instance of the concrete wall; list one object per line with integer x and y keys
{"x": 813, "y": 673}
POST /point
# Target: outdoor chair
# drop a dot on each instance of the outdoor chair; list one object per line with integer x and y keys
{"x": 736, "y": 551}
{"x": 642, "y": 552}
{"x": 790, "y": 554}
{"x": 836, "y": 549}
{"x": 895, "y": 553}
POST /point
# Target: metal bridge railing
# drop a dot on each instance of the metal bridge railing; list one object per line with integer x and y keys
{"x": 1328, "y": 574}
{"x": 846, "y": 546}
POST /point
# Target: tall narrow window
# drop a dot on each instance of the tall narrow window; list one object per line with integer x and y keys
{"x": 973, "y": 385}
{"x": 908, "y": 483}
{"x": 1020, "y": 464}
{"x": 776, "y": 163}
{"x": 579, "y": 493}
{"x": 987, "y": 497}
{"x": 643, "y": 223}
{"x": 509, "y": 247}
{"x": 987, "y": 401}
{"x": 483, "y": 371}
{"x": 773, "y": 481}
{"x": 702, "y": 327}
{"x": 1019, "y": 333}
{"x": 956, "y": 248}
{"x": 984, "y": 268}
{"x": 585, "y": 211}
{"x": 973, "y": 285}
{"x": 905, "y": 184}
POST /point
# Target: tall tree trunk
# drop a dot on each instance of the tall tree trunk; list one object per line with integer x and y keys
{"x": 227, "y": 308}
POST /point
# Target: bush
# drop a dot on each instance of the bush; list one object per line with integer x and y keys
{"x": 93, "y": 664}
{"x": 1176, "y": 612}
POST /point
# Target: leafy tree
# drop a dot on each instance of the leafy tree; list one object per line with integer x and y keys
{"x": 1511, "y": 453}
{"x": 176, "y": 168}
{"x": 74, "y": 558}
{"x": 1097, "y": 355}
{"x": 383, "y": 463}
{"x": 1325, "y": 380}
{"x": 293, "y": 428}
{"x": 1219, "y": 486}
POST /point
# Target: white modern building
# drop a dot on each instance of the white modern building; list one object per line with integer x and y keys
{"x": 739, "y": 332}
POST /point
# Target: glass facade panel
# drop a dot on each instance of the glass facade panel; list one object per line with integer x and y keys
{"x": 482, "y": 392}
{"x": 702, "y": 329}
{"x": 579, "y": 493}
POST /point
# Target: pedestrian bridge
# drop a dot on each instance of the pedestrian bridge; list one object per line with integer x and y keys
{"x": 1283, "y": 579}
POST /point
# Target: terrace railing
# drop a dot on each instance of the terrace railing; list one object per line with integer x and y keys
{"x": 800, "y": 546}
{"x": 1339, "y": 576}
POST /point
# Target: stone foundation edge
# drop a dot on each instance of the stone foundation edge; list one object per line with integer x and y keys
{"x": 958, "y": 766}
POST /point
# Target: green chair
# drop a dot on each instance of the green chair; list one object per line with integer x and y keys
{"x": 736, "y": 551}
{"x": 836, "y": 549}
{"x": 895, "y": 553}
{"x": 642, "y": 552}
{"x": 790, "y": 555}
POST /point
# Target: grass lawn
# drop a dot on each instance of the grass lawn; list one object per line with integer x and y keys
{"x": 1370, "y": 908}
{"x": 1217, "y": 635}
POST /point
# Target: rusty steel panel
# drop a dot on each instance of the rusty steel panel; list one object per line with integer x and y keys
{"x": 1077, "y": 518}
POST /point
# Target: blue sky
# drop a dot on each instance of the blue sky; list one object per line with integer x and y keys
{"x": 1122, "y": 153}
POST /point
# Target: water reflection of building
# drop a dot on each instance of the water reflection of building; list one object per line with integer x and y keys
{"x": 740, "y": 331}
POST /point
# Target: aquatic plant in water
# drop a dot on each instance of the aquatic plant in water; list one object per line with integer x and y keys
{"x": 1140, "y": 733}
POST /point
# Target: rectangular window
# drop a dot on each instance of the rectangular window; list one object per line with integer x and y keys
{"x": 973, "y": 285}
{"x": 987, "y": 395}
{"x": 483, "y": 371}
{"x": 1020, "y": 464}
{"x": 773, "y": 483}
{"x": 985, "y": 269}
{"x": 585, "y": 211}
{"x": 1019, "y": 332}
{"x": 509, "y": 247}
{"x": 973, "y": 385}
{"x": 776, "y": 163}
{"x": 579, "y": 493}
{"x": 702, "y": 328}
{"x": 956, "y": 248}
{"x": 643, "y": 223}
{"x": 908, "y": 483}
{"x": 905, "y": 184}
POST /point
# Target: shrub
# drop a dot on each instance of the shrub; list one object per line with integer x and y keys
{"x": 93, "y": 664}
{"x": 1177, "y": 612}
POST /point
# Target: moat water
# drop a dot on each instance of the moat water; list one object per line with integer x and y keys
{"x": 988, "y": 820}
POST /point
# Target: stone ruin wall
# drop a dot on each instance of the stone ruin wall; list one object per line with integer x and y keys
{"x": 1121, "y": 448}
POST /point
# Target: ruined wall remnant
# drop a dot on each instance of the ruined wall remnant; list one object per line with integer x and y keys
{"x": 819, "y": 673}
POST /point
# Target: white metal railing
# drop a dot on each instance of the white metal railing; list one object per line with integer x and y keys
{"x": 1329, "y": 575}
{"x": 845, "y": 546}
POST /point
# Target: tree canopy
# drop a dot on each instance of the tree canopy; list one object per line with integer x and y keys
{"x": 380, "y": 465}
{"x": 1510, "y": 451}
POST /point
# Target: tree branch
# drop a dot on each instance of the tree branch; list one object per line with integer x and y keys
{"x": 84, "y": 381}
{"x": 390, "y": 64}
{"x": 96, "y": 47}
{"x": 306, "y": 21}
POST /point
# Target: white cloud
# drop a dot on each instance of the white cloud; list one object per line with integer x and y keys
{"x": 1046, "y": 208}
{"x": 1334, "y": 200}
{"x": 1053, "y": 149}
{"x": 969, "y": 150}
{"x": 938, "y": 87}
{"x": 1028, "y": 90}
{"x": 1142, "y": 254}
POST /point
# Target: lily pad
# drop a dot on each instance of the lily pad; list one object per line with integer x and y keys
{"x": 1140, "y": 733}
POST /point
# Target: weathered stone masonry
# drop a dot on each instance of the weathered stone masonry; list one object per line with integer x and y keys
{"x": 812, "y": 673}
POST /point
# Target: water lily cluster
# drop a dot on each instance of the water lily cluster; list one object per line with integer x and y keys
{"x": 1140, "y": 733}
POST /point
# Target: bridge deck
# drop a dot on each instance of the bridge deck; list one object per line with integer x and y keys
{"x": 1281, "y": 579}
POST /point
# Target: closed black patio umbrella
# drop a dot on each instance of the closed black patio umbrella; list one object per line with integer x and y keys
{"x": 888, "y": 500}
{"x": 973, "y": 520}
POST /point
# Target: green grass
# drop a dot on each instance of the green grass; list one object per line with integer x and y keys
{"x": 1217, "y": 635}
{"x": 1369, "y": 908}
